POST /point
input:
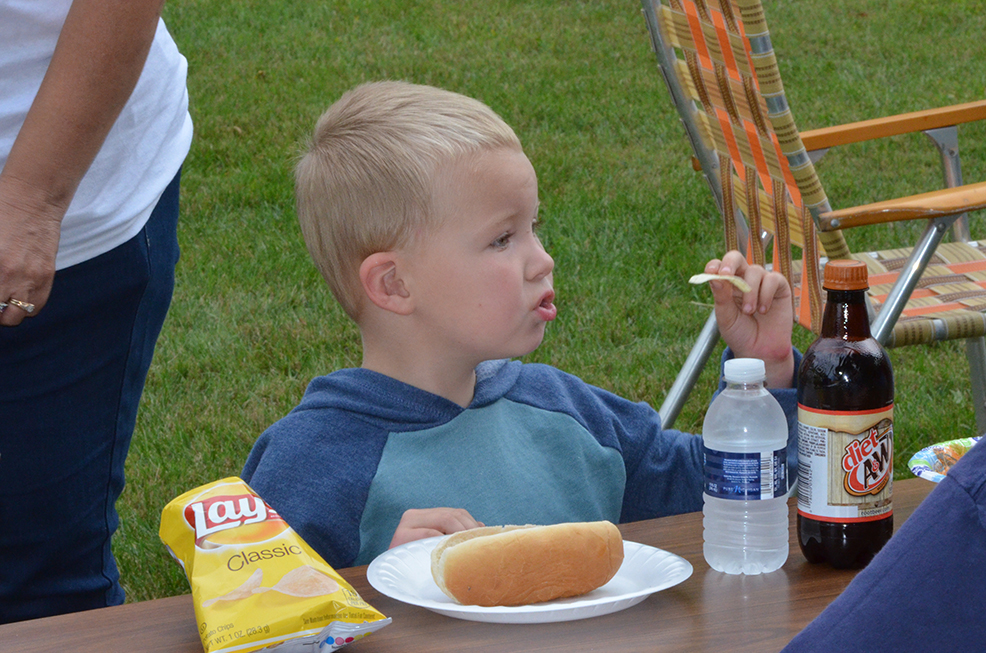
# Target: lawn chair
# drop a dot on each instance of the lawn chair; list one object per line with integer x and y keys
{"x": 720, "y": 68}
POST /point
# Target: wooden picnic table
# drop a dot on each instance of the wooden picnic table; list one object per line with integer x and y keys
{"x": 709, "y": 611}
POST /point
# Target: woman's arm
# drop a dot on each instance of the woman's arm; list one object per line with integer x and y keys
{"x": 97, "y": 61}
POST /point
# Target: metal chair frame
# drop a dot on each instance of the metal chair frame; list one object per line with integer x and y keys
{"x": 943, "y": 132}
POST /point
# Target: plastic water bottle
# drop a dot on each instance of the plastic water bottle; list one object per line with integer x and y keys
{"x": 745, "y": 449}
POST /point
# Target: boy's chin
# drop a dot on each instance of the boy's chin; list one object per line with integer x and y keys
{"x": 528, "y": 349}
{"x": 519, "y": 347}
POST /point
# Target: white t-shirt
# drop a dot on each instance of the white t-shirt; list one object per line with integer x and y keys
{"x": 143, "y": 150}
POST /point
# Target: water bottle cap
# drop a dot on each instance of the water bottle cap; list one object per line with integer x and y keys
{"x": 744, "y": 370}
{"x": 845, "y": 275}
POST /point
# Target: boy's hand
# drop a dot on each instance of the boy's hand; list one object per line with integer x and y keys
{"x": 758, "y": 323}
{"x": 430, "y": 522}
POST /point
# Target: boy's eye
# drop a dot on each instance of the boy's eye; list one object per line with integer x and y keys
{"x": 502, "y": 241}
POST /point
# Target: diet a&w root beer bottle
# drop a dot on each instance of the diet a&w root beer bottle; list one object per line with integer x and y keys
{"x": 845, "y": 430}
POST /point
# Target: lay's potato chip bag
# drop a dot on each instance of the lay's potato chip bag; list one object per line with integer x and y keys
{"x": 255, "y": 582}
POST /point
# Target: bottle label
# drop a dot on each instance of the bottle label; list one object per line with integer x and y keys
{"x": 845, "y": 464}
{"x": 745, "y": 476}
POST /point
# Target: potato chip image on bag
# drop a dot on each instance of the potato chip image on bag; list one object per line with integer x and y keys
{"x": 302, "y": 582}
{"x": 255, "y": 583}
{"x": 245, "y": 590}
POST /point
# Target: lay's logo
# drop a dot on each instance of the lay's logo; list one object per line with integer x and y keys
{"x": 232, "y": 519}
{"x": 868, "y": 461}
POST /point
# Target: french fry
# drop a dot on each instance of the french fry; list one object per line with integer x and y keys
{"x": 736, "y": 281}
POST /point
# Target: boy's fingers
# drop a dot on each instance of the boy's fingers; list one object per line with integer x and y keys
{"x": 461, "y": 523}
{"x": 446, "y": 520}
{"x": 755, "y": 289}
{"x": 774, "y": 287}
{"x": 768, "y": 291}
{"x": 712, "y": 267}
{"x": 417, "y": 524}
{"x": 735, "y": 262}
{"x": 748, "y": 296}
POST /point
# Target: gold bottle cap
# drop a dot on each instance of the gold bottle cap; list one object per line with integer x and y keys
{"x": 845, "y": 275}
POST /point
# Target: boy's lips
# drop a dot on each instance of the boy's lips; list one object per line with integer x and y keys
{"x": 546, "y": 308}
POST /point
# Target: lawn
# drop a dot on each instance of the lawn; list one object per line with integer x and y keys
{"x": 625, "y": 217}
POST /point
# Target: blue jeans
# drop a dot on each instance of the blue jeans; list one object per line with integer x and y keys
{"x": 70, "y": 382}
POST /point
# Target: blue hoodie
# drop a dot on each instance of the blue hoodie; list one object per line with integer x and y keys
{"x": 535, "y": 446}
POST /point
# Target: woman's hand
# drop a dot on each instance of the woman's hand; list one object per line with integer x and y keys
{"x": 29, "y": 233}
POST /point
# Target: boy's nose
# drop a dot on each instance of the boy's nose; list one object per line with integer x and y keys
{"x": 541, "y": 263}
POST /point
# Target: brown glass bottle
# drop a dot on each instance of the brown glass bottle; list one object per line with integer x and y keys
{"x": 845, "y": 430}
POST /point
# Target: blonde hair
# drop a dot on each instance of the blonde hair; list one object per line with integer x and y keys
{"x": 365, "y": 183}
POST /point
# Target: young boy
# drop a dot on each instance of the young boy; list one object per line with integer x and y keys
{"x": 420, "y": 210}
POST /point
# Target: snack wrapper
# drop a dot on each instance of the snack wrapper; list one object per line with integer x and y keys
{"x": 255, "y": 582}
{"x": 932, "y": 463}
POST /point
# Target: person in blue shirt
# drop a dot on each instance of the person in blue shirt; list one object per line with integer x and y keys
{"x": 924, "y": 590}
{"x": 420, "y": 209}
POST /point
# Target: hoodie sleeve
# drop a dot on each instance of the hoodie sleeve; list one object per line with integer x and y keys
{"x": 316, "y": 478}
{"x": 788, "y": 399}
{"x": 665, "y": 472}
{"x": 664, "y": 467}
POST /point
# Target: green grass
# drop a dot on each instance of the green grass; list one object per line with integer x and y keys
{"x": 626, "y": 218}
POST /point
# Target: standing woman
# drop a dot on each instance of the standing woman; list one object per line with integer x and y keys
{"x": 94, "y": 127}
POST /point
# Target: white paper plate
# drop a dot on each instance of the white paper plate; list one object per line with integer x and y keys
{"x": 404, "y": 573}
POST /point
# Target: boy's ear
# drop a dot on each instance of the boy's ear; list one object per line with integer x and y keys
{"x": 382, "y": 283}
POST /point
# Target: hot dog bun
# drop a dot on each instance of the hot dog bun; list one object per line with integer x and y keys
{"x": 517, "y": 565}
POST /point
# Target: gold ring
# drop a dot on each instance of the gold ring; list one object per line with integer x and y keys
{"x": 27, "y": 307}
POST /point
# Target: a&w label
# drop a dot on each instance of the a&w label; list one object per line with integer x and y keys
{"x": 845, "y": 464}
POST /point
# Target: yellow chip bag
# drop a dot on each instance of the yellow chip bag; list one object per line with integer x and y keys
{"x": 255, "y": 582}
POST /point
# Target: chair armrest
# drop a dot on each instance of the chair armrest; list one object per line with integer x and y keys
{"x": 905, "y": 123}
{"x": 937, "y": 204}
